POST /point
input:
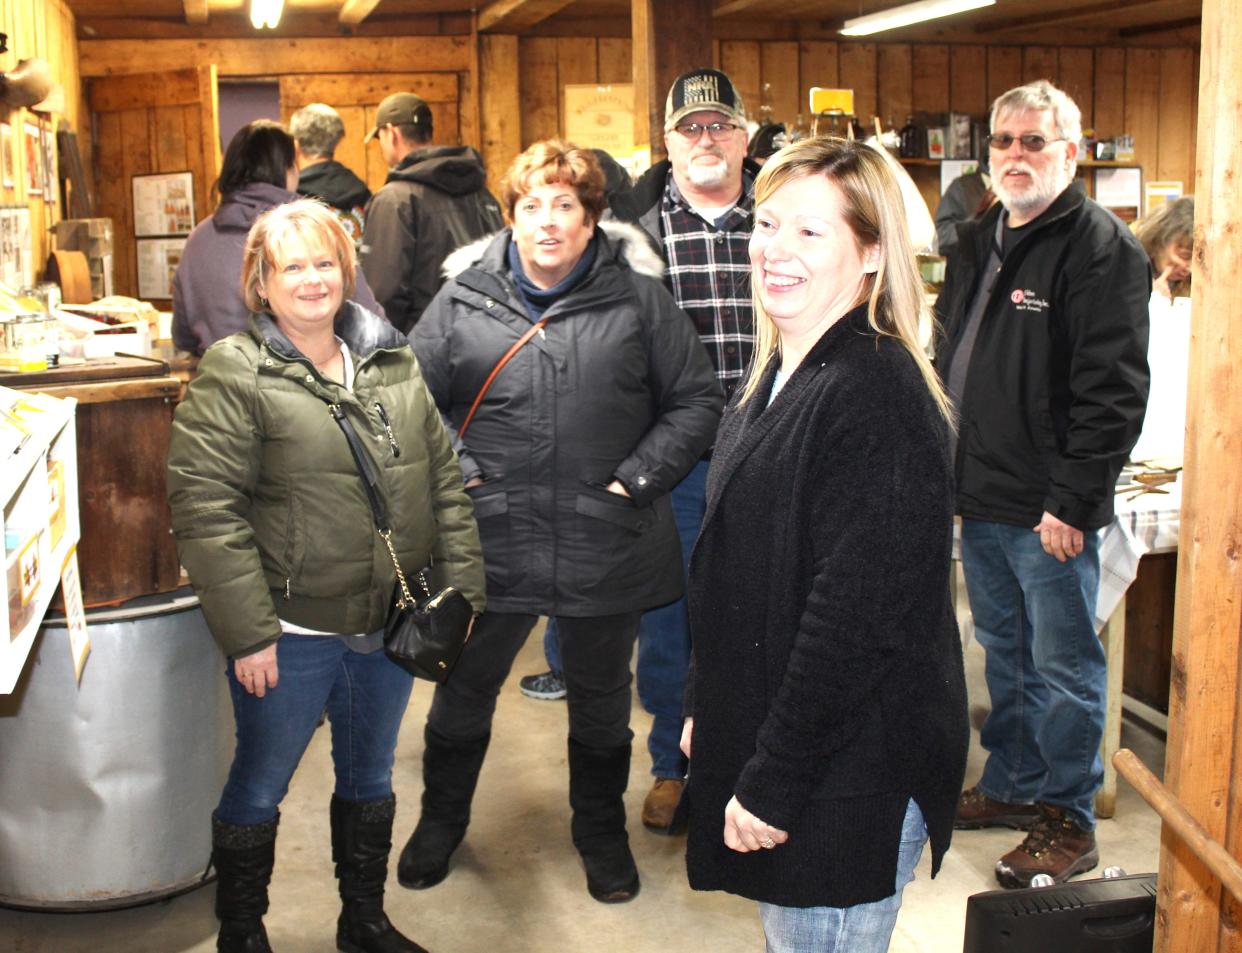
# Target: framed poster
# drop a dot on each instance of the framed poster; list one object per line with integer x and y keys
{"x": 158, "y": 259}
{"x": 16, "y": 250}
{"x": 601, "y": 117}
{"x": 1156, "y": 194}
{"x": 34, "y": 160}
{"x": 6, "y": 156}
{"x": 163, "y": 204}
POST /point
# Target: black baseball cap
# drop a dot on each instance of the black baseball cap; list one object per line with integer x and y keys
{"x": 702, "y": 89}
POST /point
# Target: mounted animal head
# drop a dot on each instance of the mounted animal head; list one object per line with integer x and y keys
{"x": 26, "y": 85}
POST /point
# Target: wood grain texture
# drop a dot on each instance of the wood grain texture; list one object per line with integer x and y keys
{"x": 1110, "y": 92}
{"x": 968, "y": 80}
{"x": 781, "y": 89}
{"x": 742, "y": 61}
{"x": 931, "y": 76}
{"x": 818, "y": 65}
{"x": 540, "y": 93}
{"x": 615, "y": 64}
{"x": 895, "y": 79}
{"x": 1175, "y": 159}
{"x": 858, "y": 72}
{"x": 1143, "y": 106}
{"x": 1004, "y": 69}
{"x": 1203, "y": 762}
{"x": 1040, "y": 62}
{"x": 502, "y": 124}
{"x": 1077, "y": 78}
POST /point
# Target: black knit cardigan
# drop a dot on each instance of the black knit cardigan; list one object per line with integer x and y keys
{"x": 827, "y": 685}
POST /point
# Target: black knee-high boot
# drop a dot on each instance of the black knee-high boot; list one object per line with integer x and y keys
{"x": 450, "y": 775}
{"x": 361, "y": 842}
{"x": 598, "y": 778}
{"x": 243, "y": 855}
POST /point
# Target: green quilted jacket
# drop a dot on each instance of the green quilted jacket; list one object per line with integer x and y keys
{"x": 269, "y": 511}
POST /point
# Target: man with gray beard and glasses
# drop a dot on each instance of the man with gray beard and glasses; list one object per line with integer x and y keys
{"x": 696, "y": 208}
{"x": 1044, "y": 352}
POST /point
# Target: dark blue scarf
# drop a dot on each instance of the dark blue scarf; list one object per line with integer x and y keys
{"x": 537, "y": 300}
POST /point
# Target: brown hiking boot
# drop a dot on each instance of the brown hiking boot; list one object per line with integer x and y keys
{"x": 976, "y": 810}
{"x": 1056, "y": 846}
{"x": 660, "y": 807}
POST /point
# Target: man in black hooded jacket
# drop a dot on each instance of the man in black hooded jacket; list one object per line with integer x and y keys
{"x": 435, "y": 200}
{"x": 316, "y": 130}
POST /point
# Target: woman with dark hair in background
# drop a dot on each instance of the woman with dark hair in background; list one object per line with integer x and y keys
{"x": 259, "y": 172}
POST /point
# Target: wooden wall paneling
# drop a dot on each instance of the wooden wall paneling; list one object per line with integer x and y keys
{"x": 968, "y": 80}
{"x": 1040, "y": 62}
{"x": 1142, "y": 119}
{"x": 615, "y": 64}
{"x": 168, "y": 138}
{"x": 858, "y": 72}
{"x": 502, "y": 119}
{"x": 1110, "y": 92}
{"x": 931, "y": 75}
{"x": 781, "y": 87}
{"x": 669, "y": 38}
{"x": 540, "y": 92}
{"x": 1004, "y": 69}
{"x": 1175, "y": 156}
{"x": 1077, "y": 66}
{"x": 275, "y": 57}
{"x": 576, "y": 63}
{"x": 818, "y": 65}
{"x": 895, "y": 78}
{"x": 742, "y": 61}
{"x": 135, "y": 147}
{"x": 716, "y": 61}
{"x": 355, "y": 89}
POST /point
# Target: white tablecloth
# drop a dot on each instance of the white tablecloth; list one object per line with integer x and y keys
{"x": 1149, "y": 523}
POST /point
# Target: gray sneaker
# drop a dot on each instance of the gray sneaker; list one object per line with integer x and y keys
{"x": 546, "y": 686}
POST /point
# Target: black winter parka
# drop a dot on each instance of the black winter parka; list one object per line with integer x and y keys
{"x": 616, "y": 386}
{"x": 1058, "y": 379}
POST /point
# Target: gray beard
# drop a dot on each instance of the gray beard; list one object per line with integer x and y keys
{"x": 1043, "y": 195}
{"x": 707, "y": 177}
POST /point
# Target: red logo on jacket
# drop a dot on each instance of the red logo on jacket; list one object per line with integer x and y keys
{"x": 1017, "y": 296}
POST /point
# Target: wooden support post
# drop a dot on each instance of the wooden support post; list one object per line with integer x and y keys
{"x": 502, "y": 114}
{"x": 1203, "y": 764}
{"x": 1114, "y": 639}
{"x": 669, "y": 37}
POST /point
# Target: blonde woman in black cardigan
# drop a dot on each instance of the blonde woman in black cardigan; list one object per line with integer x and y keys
{"x": 827, "y": 706}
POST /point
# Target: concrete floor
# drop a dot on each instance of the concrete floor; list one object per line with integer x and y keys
{"x": 516, "y": 884}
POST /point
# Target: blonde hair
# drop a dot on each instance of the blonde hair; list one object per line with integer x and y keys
{"x": 311, "y": 221}
{"x": 553, "y": 162}
{"x": 875, "y": 213}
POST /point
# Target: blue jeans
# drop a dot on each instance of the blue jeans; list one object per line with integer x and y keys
{"x": 365, "y": 697}
{"x": 862, "y": 928}
{"x": 663, "y": 640}
{"x": 1045, "y": 667}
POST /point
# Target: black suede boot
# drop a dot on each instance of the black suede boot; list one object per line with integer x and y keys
{"x": 597, "y": 781}
{"x": 361, "y": 842}
{"x": 450, "y": 774}
{"x": 243, "y": 855}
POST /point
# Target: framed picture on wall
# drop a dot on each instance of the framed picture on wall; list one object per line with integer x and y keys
{"x": 51, "y": 184}
{"x": 6, "y": 156}
{"x": 34, "y": 160}
{"x": 163, "y": 204}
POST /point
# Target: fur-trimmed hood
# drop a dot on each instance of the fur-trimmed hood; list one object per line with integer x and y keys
{"x": 630, "y": 241}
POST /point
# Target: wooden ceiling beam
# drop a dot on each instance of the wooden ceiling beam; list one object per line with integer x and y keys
{"x": 729, "y": 7}
{"x": 1063, "y": 15}
{"x": 1166, "y": 26}
{"x": 514, "y": 16}
{"x": 195, "y": 11}
{"x": 355, "y": 11}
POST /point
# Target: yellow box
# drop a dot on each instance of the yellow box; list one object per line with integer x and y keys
{"x": 831, "y": 101}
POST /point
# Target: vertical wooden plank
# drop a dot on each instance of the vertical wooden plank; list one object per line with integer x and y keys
{"x": 1040, "y": 62}
{"x": 741, "y": 60}
{"x": 112, "y": 189}
{"x": 818, "y": 65}
{"x": 778, "y": 73}
{"x": 968, "y": 80}
{"x": 576, "y": 63}
{"x": 502, "y": 125}
{"x": 135, "y": 160}
{"x": 614, "y": 60}
{"x": 1110, "y": 92}
{"x": 716, "y": 55}
{"x": 1143, "y": 106}
{"x": 1004, "y": 70}
{"x": 930, "y": 84}
{"x": 169, "y": 139}
{"x": 858, "y": 72}
{"x": 1202, "y": 763}
{"x": 1077, "y": 66}
{"x": 1175, "y": 159}
{"x": 895, "y": 79}
{"x": 540, "y": 93}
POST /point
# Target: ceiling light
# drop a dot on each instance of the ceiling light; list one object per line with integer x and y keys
{"x": 906, "y": 14}
{"x": 266, "y": 13}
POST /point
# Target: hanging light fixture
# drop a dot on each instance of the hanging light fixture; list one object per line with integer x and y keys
{"x": 266, "y": 13}
{"x": 907, "y": 14}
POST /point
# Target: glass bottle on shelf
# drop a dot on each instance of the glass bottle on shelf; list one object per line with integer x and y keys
{"x": 910, "y": 140}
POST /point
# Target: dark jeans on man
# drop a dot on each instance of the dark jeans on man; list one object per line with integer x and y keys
{"x": 595, "y": 654}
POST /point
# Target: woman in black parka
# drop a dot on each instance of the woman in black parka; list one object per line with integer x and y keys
{"x": 568, "y": 461}
{"x": 827, "y": 730}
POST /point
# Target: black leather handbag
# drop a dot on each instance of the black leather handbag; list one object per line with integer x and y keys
{"x": 425, "y": 635}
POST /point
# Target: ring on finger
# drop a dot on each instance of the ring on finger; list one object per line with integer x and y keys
{"x": 766, "y": 842}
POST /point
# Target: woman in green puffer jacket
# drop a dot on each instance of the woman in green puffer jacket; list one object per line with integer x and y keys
{"x": 274, "y": 529}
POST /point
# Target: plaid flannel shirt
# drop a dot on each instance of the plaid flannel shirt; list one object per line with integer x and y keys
{"x": 709, "y": 276}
